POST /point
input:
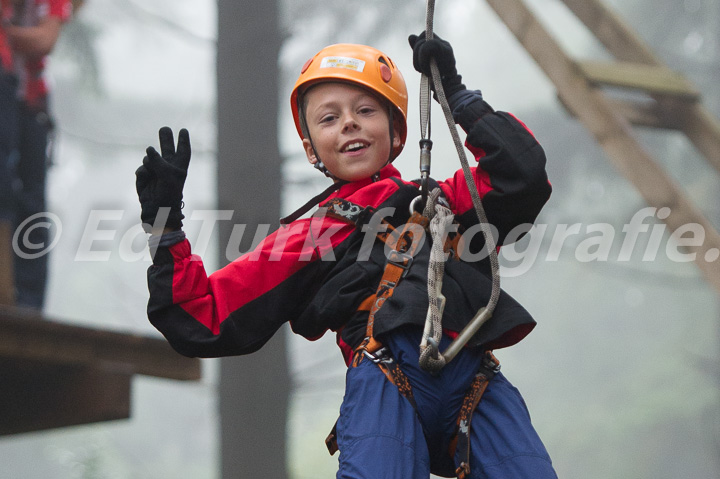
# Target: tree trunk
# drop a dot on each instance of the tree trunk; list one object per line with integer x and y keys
{"x": 253, "y": 392}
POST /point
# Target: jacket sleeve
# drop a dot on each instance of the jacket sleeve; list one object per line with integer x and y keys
{"x": 510, "y": 176}
{"x": 239, "y": 307}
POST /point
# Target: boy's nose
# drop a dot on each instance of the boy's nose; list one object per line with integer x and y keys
{"x": 350, "y": 123}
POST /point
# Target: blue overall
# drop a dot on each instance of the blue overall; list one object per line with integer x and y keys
{"x": 381, "y": 435}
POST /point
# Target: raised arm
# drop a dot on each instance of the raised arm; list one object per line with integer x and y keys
{"x": 510, "y": 176}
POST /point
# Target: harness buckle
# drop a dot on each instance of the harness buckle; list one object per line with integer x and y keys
{"x": 401, "y": 260}
{"x": 379, "y": 356}
{"x": 490, "y": 363}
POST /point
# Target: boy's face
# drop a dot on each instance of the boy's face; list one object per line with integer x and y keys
{"x": 349, "y": 127}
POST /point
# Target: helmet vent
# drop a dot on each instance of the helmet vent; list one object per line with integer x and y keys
{"x": 306, "y": 66}
{"x": 385, "y": 72}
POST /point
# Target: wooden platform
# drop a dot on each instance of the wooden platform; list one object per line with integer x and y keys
{"x": 54, "y": 374}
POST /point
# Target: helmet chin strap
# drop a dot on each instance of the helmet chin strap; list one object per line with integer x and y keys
{"x": 376, "y": 175}
{"x": 320, "y": 166}
{"x": 391, "y": 122}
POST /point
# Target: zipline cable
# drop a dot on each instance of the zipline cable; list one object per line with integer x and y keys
{"x": 430, "y": 358}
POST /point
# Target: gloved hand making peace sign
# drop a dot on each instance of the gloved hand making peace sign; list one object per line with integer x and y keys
{"x": 160, "y": 180}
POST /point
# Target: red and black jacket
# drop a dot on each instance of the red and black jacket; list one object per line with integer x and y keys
{"x": 308, "y": 273}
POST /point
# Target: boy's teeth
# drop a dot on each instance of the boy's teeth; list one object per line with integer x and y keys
{"x": 354, "y": 146}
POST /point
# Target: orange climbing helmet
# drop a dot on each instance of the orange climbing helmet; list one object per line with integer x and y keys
{"x": 360, "y": 65}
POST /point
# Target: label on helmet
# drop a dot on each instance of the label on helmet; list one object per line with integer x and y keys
{"x": 343, "y": 62}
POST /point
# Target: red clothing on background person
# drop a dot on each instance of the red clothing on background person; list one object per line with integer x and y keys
{"x": 33, "y": 87}
{"x": 5, "y": 52}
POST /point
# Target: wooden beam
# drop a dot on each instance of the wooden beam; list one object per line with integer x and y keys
{"x": 643, "y": 114}
{"x": 612, "y": 131}
{"x": 612, "y": 31}
{"x": 37, "y": 396}
{"x": 637, "y": 76}
{"x": 646, "y": 114}
{"x": 699, "y": 125}
{"x": 25, "y": 335}
{"x": 54, "y": 374}
{"x": 7, "y": 282}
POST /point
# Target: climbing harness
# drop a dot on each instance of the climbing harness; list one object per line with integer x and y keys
{"x": 430, "y": 358}
{"x": 403, "y": 245}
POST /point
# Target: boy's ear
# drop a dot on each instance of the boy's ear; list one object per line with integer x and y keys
{"x": 397, "y": 142}
{"x": 309, "y": 152}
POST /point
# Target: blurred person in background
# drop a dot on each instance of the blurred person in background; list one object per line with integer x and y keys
{"x": 30, "y": 29}
{"x": 8, "y": 122}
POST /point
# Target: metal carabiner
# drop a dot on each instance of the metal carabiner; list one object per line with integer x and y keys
{"x": 425, "y": 147}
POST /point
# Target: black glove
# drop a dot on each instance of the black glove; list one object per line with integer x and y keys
{"x": 424, "y": 50}
{"x": 160, "y": 179}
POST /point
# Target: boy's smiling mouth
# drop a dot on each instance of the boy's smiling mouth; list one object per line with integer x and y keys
{"x": 354, "y": 146}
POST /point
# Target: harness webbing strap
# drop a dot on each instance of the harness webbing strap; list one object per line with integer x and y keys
{"x": 312, "y": 202}
{"x": 397, "y": 265}
{"x": 367, "y": 303}
{"x": 331, "y": 441}
{"x": 344, "y": 210}
{"x": 477, "y": 388}
{"x": 399, "y": 260}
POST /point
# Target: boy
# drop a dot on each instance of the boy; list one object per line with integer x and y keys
{"x": 322, "y": 273}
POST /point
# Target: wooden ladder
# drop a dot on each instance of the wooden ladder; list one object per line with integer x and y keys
{"x": 675, "y": 104}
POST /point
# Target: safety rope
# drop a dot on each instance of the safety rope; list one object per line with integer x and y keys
{"x": 440, "y": 220}
{"x": 434, "y": 360}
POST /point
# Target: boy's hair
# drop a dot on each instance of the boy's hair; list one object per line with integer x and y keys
{"x": 359, "y": 65}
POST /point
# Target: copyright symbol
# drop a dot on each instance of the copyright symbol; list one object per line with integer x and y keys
{"x": 30, "y": 239}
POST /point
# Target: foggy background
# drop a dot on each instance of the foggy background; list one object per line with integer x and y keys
{"x": 621, "y": 374}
